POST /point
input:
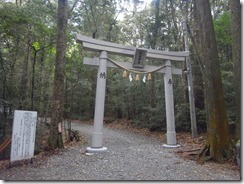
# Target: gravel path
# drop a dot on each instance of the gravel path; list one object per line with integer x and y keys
{"x": 129, "y": 157}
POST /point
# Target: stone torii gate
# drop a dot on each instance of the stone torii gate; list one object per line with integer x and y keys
{"x": 139, "y": 55}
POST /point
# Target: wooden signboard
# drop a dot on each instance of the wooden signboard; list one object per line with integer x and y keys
{"x": 139, "y": 58}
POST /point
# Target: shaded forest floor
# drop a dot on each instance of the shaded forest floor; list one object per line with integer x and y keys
{"x": 189, "y": 147}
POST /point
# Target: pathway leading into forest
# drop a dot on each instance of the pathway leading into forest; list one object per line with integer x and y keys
{"x": 129, "y": 157}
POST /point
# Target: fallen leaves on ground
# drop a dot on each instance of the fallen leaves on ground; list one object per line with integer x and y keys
{"x": 190, "y": 147}
{"x": 124, "y": 124}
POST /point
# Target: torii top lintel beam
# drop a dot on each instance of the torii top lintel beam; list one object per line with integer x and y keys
{"x": 114, "y": 48}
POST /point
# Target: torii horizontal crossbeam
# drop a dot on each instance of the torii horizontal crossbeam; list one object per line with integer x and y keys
{"x": 114, "y": 48}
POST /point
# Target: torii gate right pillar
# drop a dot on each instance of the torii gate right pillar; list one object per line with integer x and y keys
{"x": 169, "y": 103}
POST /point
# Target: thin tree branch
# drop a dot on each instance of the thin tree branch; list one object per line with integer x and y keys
{"x": 72, "y": 8}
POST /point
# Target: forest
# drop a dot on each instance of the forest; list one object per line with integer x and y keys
{"x": 41, "y": 64}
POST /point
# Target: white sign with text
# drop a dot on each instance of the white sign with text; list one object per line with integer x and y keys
{"x": 23, "y": 135}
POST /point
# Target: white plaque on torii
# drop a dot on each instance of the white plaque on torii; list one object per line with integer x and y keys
{"x": 139, "y": 56}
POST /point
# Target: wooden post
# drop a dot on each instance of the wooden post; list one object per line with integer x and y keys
{"x": 97, "y": 136}
{"x": 190, "y": 83}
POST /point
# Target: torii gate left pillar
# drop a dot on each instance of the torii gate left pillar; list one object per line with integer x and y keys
{"x": 97, "y": 135}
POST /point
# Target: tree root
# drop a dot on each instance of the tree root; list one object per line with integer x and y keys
{"x": 204, "y": 155}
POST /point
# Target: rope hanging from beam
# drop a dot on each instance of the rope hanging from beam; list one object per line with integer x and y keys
{"x": 137, "y": 78}
{"x": 136, "y": 71}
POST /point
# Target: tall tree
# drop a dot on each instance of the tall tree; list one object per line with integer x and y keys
{"x": 153, "y": 45}
{"x": 24, "y": 78}
{"x": 235, "y": 9}
{"x": 218, "y": 145}
{"x": 55, "y": 137}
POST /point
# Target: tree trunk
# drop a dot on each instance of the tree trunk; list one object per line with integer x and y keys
{"x": 175, "y": 30}
{"x": 218, "y": 144}
{"x": 33, "y": 80}
{"x": 42, "y": 87}
{"x": 235, "y": 8}
{"x": 55, "y": 137}
{"x": 153, "y": 45}
{"x": 25, "y": 79}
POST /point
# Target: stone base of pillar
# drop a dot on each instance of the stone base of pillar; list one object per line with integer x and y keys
{"x": 96, "y": 150}
{"x": 171, "y": 146}
{"x": 171, "y": 137}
